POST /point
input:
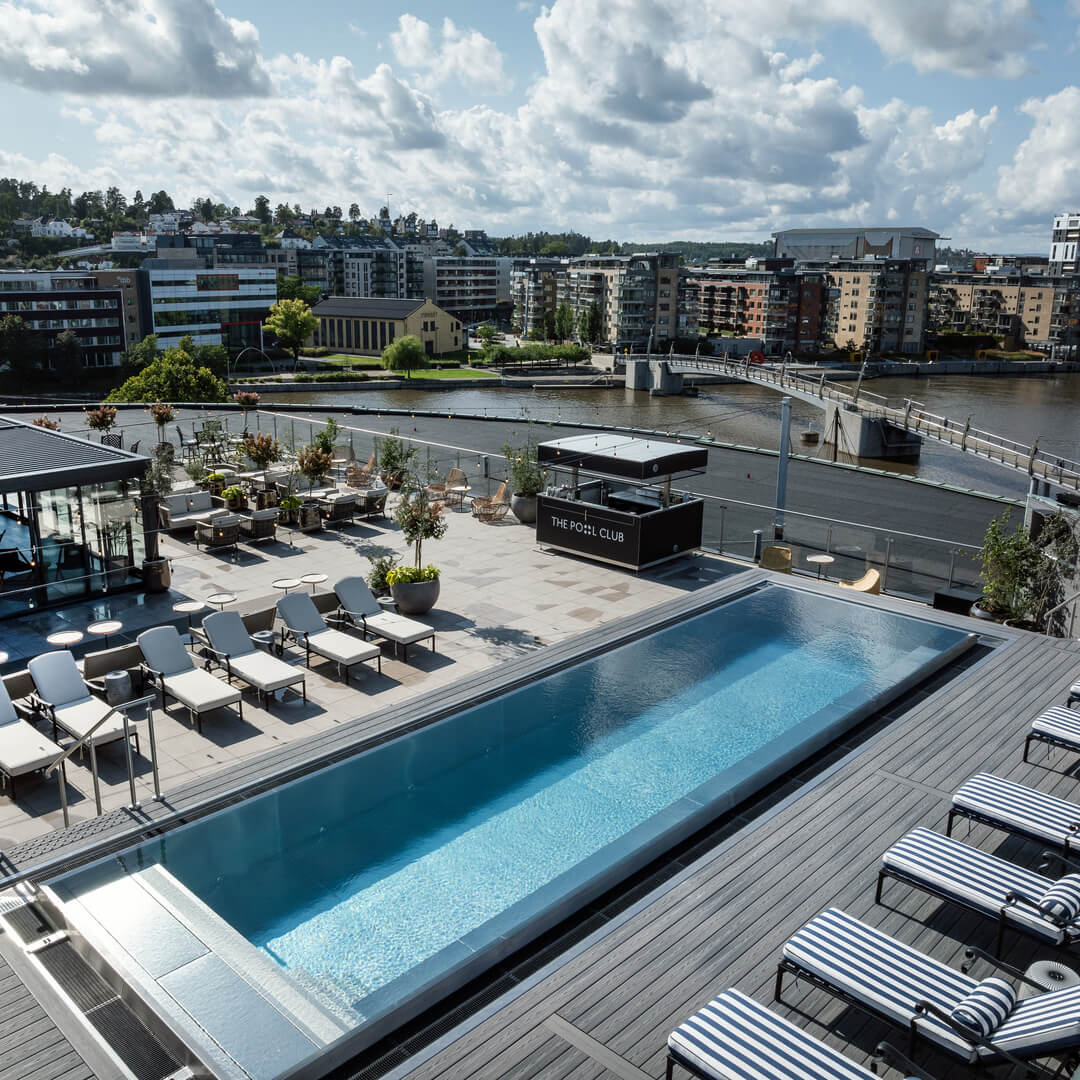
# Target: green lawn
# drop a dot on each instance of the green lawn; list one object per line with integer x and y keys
{"x": 450, "y": 373}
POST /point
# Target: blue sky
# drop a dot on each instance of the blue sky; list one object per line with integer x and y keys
{"x": 621, "y": 118}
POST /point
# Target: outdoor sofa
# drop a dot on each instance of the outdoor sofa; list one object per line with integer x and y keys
{"x": 178, "y": 513}
{"x": 230, "y": 645}
{"x": 359, "y": 607}
{"x": 979, "y": 1022}
{"x": 23, "y": 749}
{"x": 304, "y": 625}
{"x": 168, "y": 665}
{"x": 1013, "y": 896}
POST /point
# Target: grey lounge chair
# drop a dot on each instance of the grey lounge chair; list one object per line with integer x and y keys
{"x": 305, "y": 625}
{"x": 231, "y": 645}
{"x": 23, "y": 749}
{"x": 359, "y": 606}
{"x": 67, "y": 703}
{"x": 170, "y": 667}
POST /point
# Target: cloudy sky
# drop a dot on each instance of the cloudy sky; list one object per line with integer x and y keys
{"x": 631, "y": 119}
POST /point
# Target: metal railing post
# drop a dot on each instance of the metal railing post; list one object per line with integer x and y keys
{"x": 885, "y": 568}
{"x": 61, "y": 775}
{"x": 134, "y": 805}
{"x": 952, "y": 567}
{"x": 757, "y": 545}
{"x": 97, "y": 780}
{"x": 828, "y": 540}
{"x": 723, "y": 511}
{"x": 153, "y": 753}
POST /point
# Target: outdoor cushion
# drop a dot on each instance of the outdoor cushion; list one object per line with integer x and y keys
{"x": 1061, "y": 902}
{"x": 984, "y": 1010}
{"x": 23, "y": 748}
{"x": 357, "y": 599}
{"x": 1014, "y": 808}
{"x": 1059, "y": 723}
{"x": 164, "y": 651}
{"x": 57, "y": 677}
{"x": 342, "y": 648}
{"x": 78, "y": 717}
{"x": 200, "y": 691}
{"x": 264, "y": 672}
{"x": 227, "y": 634}
{"x": 299, "y": 614}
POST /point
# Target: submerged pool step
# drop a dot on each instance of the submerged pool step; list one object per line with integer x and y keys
{"x": 126, "y": 1035}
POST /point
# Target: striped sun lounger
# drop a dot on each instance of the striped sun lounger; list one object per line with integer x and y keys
{"x": 1058, "y": 726}
{"x": 735, "y": 1038}
{"x": 1013, "y": 808}
{"x": 926, "y": 998}
{"x": 1000, "y": 890}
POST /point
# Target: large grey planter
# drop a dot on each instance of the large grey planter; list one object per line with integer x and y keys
{"x": 417, "y": 597}
{"x": 524, "y": 508}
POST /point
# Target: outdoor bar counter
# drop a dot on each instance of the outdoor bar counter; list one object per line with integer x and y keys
{"x": 612, "y": 500}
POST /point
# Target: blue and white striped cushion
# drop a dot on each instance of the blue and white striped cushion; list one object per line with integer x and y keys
{"x": 1019, "y": 809}
{"x": 1061, "y": 902}
{"x": 1059, "y": 723}
{"x": 1042, "y": 1025}
{"x": 735, "y": 1038}
{"x": 973, "y": 877}
{"x": 984, "y": 1010}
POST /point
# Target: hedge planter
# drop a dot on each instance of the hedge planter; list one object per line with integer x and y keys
{"x": 524, "y": 508}
{"x": 416, "y": 598}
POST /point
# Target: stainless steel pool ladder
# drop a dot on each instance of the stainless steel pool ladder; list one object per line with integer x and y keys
{"x": 57, "y": 766}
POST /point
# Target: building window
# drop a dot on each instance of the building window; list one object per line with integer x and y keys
{"x": 382, "y": 334}
{"x": 348, "y": 333}
{"x": 365, "y": 326}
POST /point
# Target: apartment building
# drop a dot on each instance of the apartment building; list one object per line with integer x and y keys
{"x": 1023, "y": 310}
{"x": 88, "y": 304}
{"x": 1065, "y": 245}
{"x": 216, "y": 307}
{"x": 534, "y": 291}
{"x": 766, "y": 299}
{"x": 876, "y": 305}
{"x": 885, "y": 242}
{"x": 637, "y": 295}
{"x": 472, "y": 288}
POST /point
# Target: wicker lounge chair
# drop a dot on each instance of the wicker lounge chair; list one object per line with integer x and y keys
{"x": 735, "y": 1038}
{"x": 1013, "y": 808}
{"x": 338, "y": 508}
{"x": 259, "y": 525}
{"x": 1000, "y": 890}
{"x": 359, "y": 607}
{"x": 870, "y": 583}
{"x": 776, "y": 557}
{"x": 372, "y": 503}
{"x": 491, "y": 507}
{"x": 67, "y": 703}
{"x": 222, "y": 532}
{"x": 231, "y": 646}
{"x": 23, "y": 749}
{"x": 169, "y": 666}
{"x": 304, "y": 625}
{"x": 981, "y": 1023}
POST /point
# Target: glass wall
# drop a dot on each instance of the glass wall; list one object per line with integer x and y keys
{"x": 68, "y": 543}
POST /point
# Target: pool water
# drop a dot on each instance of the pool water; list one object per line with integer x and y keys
{"x": 366, "y": 878}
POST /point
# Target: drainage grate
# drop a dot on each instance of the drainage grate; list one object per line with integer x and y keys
{"x": 132, "y": 1042}
{"x": 29, "y": 922}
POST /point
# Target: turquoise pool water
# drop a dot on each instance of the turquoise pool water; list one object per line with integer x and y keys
{"x": 369, "y": 878}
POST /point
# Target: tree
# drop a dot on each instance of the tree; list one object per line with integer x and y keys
{"x": 174, "y": 376}
{"x": 292, "y": 323}
{"x": 262, "y": 209}
{"x": 589, "y": 324}
{"x": 406, "y": 354}
{"x": 282, "y": 214}
{"x": 67, "y": 356}
{"x": 549, "y": 324}
{"x": 115, "y": 203}
{"x": 564, "y": 322}
{"x": 555, "y": 247}
{"x": 204, "y": 208}
{"x": 142, "y": 353}
{"x": 487, "y": 333}
{"x": 159, "y": 203}
{"x": 292, "y": 288}
{"x": 17, "y": 353}
{"x": 354, "y": 211}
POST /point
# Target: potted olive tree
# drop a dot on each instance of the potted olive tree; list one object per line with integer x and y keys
{"x": 163, "y": 414}
{"x": 247, "y": 400}
{"x": 415, "y": 588}
{"x": 263, "y": 451}
{"x": 102, "y": 418}
{"x": 314, "y": 465}
{"x": 394, "y": 456}
{"x": 526, "y": 480}
{"x": 1010, "y": 563}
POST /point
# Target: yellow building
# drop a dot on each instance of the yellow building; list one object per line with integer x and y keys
{"x": 367, "y": 324}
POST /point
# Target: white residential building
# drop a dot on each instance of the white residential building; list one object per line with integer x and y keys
{"x": 1065, "y": 245}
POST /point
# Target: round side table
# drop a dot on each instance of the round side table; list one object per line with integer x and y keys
{"x": 104, "y": 628}
{"x": 821, "y": 562}
{"x": 286, "y": 583}
{"x": 220, "y": 599}
{"x": 1050, "y": 975}
{"x": 313, "y": 580}
{"x": 65, "y": 638}
{"x": 188, "y": 608}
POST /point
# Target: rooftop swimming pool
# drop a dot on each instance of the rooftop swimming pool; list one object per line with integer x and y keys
{"x": 351, "y": 898}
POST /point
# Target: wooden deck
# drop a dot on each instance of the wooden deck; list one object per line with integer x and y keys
{"x": 607, "y": 1012}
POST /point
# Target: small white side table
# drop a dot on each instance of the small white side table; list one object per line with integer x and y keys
{"x": 1050, "y": 975}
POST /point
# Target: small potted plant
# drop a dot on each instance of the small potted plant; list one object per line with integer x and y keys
{"x": 289, "y": 509}
{"x": 381, "y": 565}
{"x": 215, "y": 482}
{"x": 415, "y": 588}
{"x": 394, "y": 456}
{"x": 234, "y": 497}
{"x": 102, "y": 418}
{"x": 1009, "y": 562}
{"x": 314, "y": 465}
{"x": 163, "y": 414}
{"x": 526, "y": 480}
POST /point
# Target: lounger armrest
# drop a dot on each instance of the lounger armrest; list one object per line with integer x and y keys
{"x": 927, "y": 1008}
{"x": 338, "y": 618}
{"x": 1063, "y": 861}
{"x": 152, "y": 676}
{"x": 220, "y": 657}
{"x": 1017, "y": 898}
{"x": 887, "y": 1054}
{"x": 96, "y": 684}
{"x": 42, "y": 706}
{"x": 973, "y": 953}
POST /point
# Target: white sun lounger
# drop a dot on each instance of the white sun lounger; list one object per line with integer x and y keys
{"x": 1013, "y": 808}
{"x": 305, "y": 625}
{"x": 1013, "y": 896}
{"x": 979, "y": 1022}
{"x": 735, "y": 1038}
{"x": 170, "y": 667}
{"x": 23, "y": 749}
{"x": 68, "y": 704}
{"x": 1058, "y": 727}
{"x": 359, "y": 606}
{"x": 231, "y": 645}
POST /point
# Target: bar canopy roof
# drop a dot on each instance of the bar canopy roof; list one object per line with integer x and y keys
{"x": 37, "y": 459}
{"x": 621, "y": 455}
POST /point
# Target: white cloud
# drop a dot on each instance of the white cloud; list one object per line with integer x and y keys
{"x": 149, "y": 47}
{"x": 462, "y": 55}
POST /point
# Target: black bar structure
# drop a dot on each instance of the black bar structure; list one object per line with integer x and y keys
{"x": 613, "y": 500}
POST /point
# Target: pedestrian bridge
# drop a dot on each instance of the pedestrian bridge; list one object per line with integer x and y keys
{"x": 844, "y": 402}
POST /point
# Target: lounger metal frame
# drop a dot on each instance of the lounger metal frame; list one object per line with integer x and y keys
{"x": 157, "y": 679}
{"x": 222, "y": 660}
{"x": 288, "y": 634}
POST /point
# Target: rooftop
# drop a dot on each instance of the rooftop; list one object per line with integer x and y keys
{"x": 366, "y": 307}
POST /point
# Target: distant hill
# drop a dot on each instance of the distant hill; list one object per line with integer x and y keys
{"x": 545, "y": 243}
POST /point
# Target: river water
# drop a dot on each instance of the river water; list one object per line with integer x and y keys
{"x": 1017, "y": 408}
